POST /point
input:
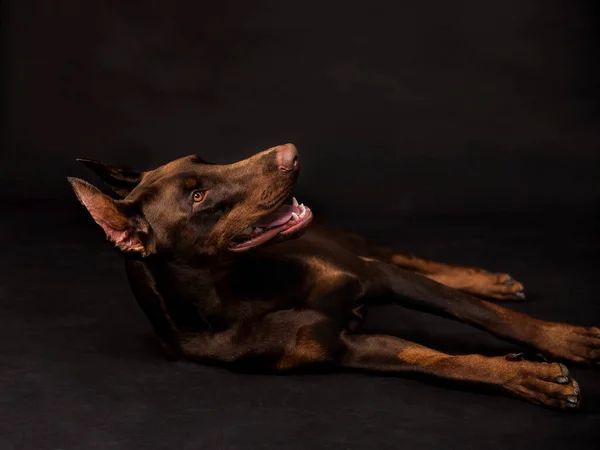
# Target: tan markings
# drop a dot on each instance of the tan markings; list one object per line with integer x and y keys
{"x": 570, "y": 342}
{"x": 468, "y": 279}
{"x": 190, "y": 183}
{"x": 420, "y": 356}
{"x": 418, "y": 264}
{"x": 479, "y": 282}
{"x": 463, "y": 367}
{"x": 493, "y": 370}
{"x": 304, "y": 350}
{"x": 547, "y": 383}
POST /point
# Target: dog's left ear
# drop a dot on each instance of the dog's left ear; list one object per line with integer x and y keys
{"x": 121, "y": 180}
{"x": 124, "y": 227}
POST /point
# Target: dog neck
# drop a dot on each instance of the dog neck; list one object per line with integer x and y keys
{"x": 188, "y": 290}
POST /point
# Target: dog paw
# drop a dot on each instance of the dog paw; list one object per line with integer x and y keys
{"x": 479, "y": 282}
{"x": 569, "y": 342}
{"x": 501, "y": 286}
{"x": 547, "y": 384}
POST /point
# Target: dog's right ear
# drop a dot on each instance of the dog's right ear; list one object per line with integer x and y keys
{"x": 124, "y": 227}
{"x": 121, "y": 180}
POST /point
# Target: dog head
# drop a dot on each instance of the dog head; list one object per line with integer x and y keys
{"x": 190, "y": 208}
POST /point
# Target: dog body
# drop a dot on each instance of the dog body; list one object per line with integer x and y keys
{"x": 228, "y": 271}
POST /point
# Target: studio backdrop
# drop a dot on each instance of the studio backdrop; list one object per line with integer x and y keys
{"x": 396, "y": 107}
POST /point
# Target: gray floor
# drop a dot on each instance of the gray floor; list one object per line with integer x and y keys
{"x": 81, "y": 370}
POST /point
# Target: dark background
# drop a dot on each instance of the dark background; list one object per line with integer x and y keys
{"x": 466, "y": 131}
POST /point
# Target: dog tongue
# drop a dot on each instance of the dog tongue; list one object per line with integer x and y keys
{"x": 279, "y": 217}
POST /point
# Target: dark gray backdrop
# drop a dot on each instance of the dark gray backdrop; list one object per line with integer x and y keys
{"x": 396, "y": 107}
{"x": 465, "y": 131}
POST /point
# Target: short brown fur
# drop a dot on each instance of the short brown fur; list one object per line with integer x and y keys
{"x": 300, "y": 296}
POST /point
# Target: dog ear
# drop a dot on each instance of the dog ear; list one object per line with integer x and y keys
{"x": 127, "y": 230}
{"x": 121, "y": 180}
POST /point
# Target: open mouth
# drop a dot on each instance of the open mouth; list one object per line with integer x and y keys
{"x": 286, "y": 221}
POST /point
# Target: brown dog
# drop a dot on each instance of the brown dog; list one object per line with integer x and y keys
{"x": 195, "y": 237}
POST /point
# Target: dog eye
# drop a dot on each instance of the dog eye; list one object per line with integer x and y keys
{"x": 198, "y": 196}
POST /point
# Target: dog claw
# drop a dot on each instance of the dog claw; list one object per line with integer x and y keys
{"x": 562, "y": 380}
{"x": 520, "y": 295}
{"x": 515, "y": 357}
{"x": 509, "y": 282}
{"x": 564, "y": 369}
{"x": 571, "y": 405}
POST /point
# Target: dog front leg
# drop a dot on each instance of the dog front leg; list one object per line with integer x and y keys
{"x": 548, "y": 384}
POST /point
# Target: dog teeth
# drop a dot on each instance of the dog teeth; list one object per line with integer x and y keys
{"x": 247, "y": 230}
{"x": 295, "y": 216}
{"x": 294, "y": 201}
{"x": 258, "y": 230}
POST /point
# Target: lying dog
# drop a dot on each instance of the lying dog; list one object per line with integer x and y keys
{"x": 195, "y": 237}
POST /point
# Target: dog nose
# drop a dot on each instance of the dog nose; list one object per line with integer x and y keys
{"x": 287, "y": 157}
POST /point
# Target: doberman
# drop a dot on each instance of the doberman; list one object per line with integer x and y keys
{"x": 198, "y": 242}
